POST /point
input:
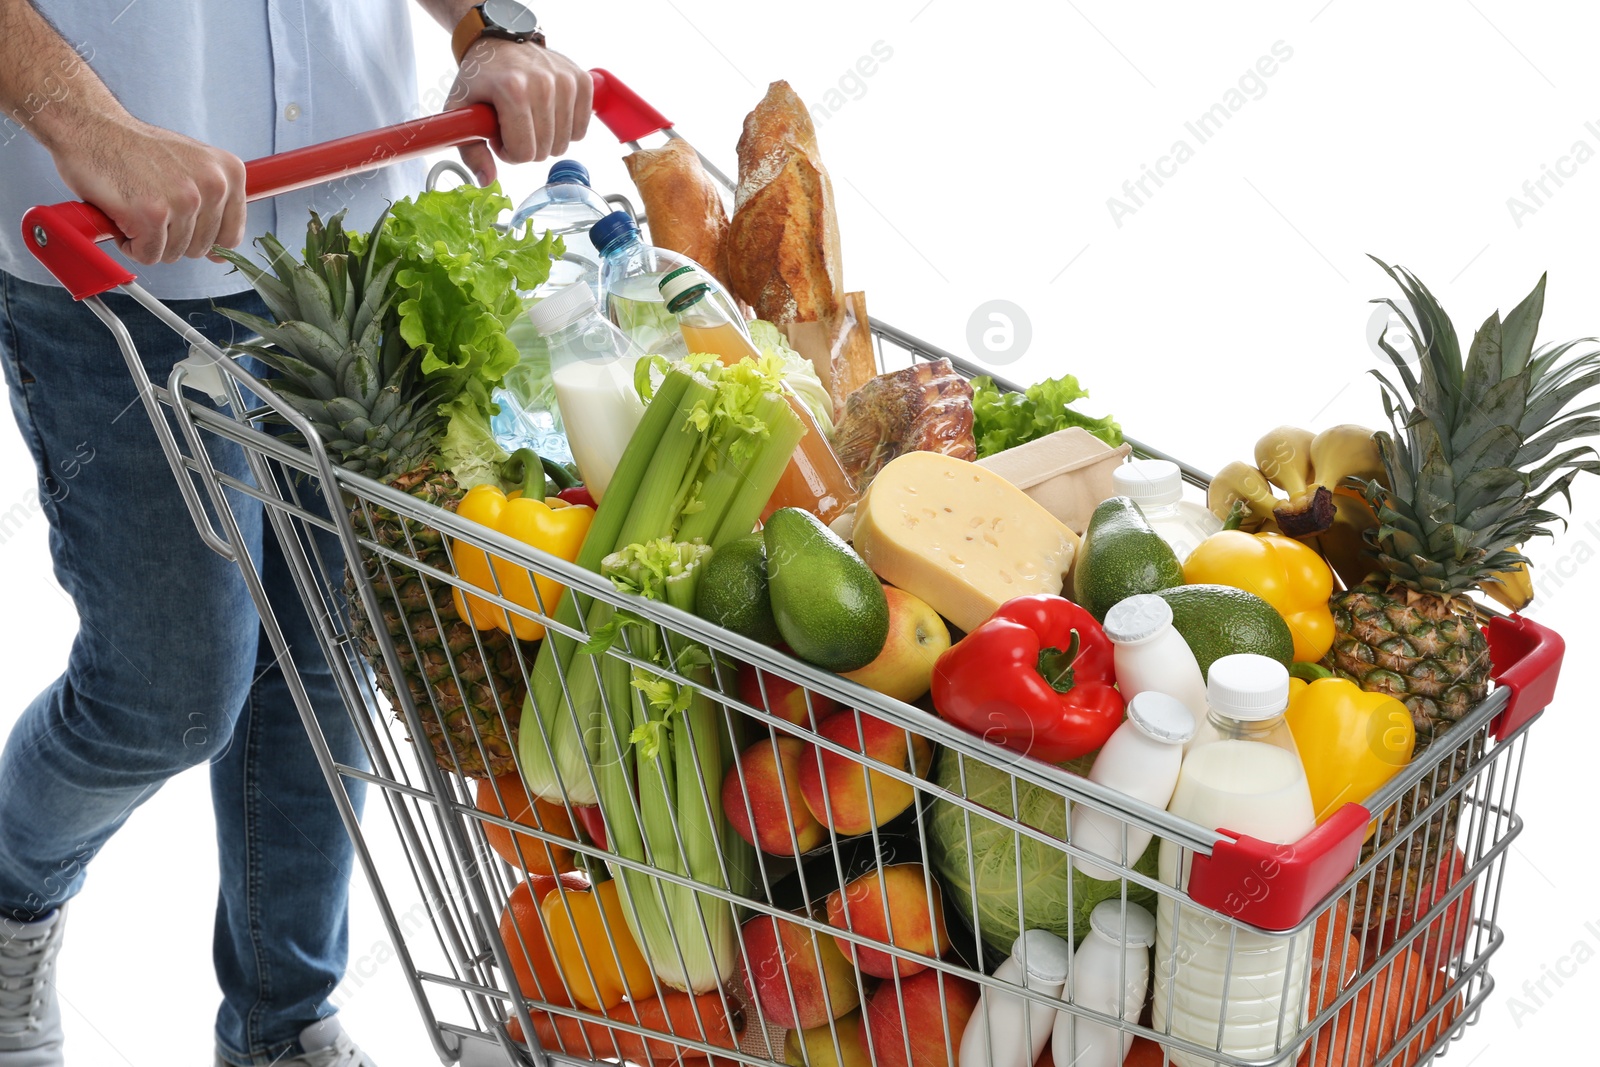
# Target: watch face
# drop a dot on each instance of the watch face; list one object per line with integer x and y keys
{"x": 510, "y": 16}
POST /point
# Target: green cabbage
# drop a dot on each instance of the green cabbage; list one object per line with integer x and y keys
{"x": 997, "y": 859}
{"x": 798, "y": 372}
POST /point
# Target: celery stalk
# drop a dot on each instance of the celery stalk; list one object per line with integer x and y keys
{"x": 759, "y": 474}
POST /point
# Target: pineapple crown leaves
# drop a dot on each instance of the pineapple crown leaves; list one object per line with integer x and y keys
{"x": 1469, "y": 461}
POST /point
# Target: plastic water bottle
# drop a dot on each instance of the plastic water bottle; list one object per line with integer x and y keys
{"x": 567, "y": 207}
{"x": 1242, "y": 773}
{"x": 1156, "y": 486}
{"x": 592, "y": 366}
{"x": 1141, "y": 760}
{"x": 1111, "y": 975}
{"x": 630, "y": 287}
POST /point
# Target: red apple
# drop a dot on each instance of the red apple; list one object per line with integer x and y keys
{"x": 850, "y": 796}
{"x": 797, "y": 975}
{"x": 765, "y": 805}
{"x": 898, "y": 905}
{"x": 782, "y": 698}
{"x": 934, "y": 1027}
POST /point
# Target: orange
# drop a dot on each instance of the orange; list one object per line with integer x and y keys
{"x": 540, "y": 857}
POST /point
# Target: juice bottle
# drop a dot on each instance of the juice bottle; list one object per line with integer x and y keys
{"x": 815, "y": 479}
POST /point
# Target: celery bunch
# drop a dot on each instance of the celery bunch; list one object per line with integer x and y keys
{"x": 660, "y": 760}
{"x": 701, "y": 465}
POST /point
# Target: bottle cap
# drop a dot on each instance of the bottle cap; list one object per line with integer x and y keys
{"x": 1247, "y": 687}
{"x": 1161, "y": 717}
{"x": 1127, "y": 925}
{"x": 1044, "y": 957}
{"x": 614, "y": 228}
{"x": 562, "y": 308}
{"x": 683, "y": 287}
{"x": 566, "y": 172}
{"x": 1137, "y": 618}
{"x": 1149, "y": 481}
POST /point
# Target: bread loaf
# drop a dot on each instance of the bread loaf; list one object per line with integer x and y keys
{"x": 783, "y": 242}
{"x": 683, "y": 204}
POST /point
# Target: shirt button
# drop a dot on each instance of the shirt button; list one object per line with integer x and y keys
{"x": 291, "y": 112}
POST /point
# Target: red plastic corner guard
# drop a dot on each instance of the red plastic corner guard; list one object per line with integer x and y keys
{"x": 1276, "y": 886}
{"x": 66, "y": 237}
{"x": 1526, "y": 659}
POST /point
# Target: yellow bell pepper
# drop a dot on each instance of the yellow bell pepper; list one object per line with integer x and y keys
{"x": 1351, "y": 741}
{"x": 1280, "y": 570}
{"x": 550, "y": 524}
{"x": 585, "y": 927}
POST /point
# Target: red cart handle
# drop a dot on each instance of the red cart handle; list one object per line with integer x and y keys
{"x": 65, "y": 237}
{"x": 1276, "y": 886}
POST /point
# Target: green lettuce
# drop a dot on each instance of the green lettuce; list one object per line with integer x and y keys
{"x": 1005, "y": 420}
{"x": 459, "y": 281}
{"x": 797, "y": 371}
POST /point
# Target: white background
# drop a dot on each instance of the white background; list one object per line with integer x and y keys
{"x": 974, "y": 164}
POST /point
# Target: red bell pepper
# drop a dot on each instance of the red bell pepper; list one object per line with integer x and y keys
{"x": 578, "y": 494}
{"x": 1036, "y": 678}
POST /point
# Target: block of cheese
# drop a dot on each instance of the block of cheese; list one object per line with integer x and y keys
{"x": 959, "y": 536}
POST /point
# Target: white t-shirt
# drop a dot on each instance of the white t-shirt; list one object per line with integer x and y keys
{"x": 255, "y": 77}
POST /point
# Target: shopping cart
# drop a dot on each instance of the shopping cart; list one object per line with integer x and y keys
{"x": 1395, "y": 989}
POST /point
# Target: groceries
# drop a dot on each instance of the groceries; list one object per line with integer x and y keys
{"x": 565, "y": 207}
{"x": 1350, "y": 741}
{"x": 1110, "y": 975}
{"x": 1036, "y": 677}
{"x": 814, "y": 479}
{"x": 918, "y": 1021}
{"x": 1280, "y": 570}
{"x": 828, "y": 605}
{"x": 1067, "y": 472}
{"x": 917, "y": 638}
{"x": 683, "y": 204}
{"x": 1141, "y": 760}
{"x": 1006, "y": 420}
{"x": 927, "y": 407}
{"x": 1241, "y": 772}
{"x": 898, "y": 905}
{"x": 1156, "y": 488}
{"x": 1151, "y": 656}
{"x": 1122, "y": 557}
{"x": 1011, "y": 1031}
{"x": 592, "y": 365}
{"x": 630, "y": 286}
{"x": 958, "y": 536}
{"x": 1313, "y": 469}
{"x": 734, "y": 593}
{"x": 1219, "y": 620}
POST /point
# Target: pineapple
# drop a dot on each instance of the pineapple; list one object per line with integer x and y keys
{"x": 1476, "y": 451}
{"x": 343, "y": 365}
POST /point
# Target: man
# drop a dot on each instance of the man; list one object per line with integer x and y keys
{"x": 145, "y": 109}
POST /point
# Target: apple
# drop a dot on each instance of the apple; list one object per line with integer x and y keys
{"x": 848, "y": 795}
{"x": 917, "y": 636}
{"x": 798, "y": 976}
{"x": 765, "y": 805}
{"x": 782, "y": 698}
{"x": 926, "y": 1018}
{"x": 892, "y": 905}
{"x": 814, "y": 1047}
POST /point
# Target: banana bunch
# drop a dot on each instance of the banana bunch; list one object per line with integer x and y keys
{"x": 1320, "y": 505}
{"x": 1513, "y": 588}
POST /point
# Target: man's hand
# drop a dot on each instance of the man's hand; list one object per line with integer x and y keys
{"x": 171, "y": 195}
{"x": 542, "y": 98}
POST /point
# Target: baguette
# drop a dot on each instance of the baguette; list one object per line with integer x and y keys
{"x": 783, "y": 241}
{"x": 682, "y": 204}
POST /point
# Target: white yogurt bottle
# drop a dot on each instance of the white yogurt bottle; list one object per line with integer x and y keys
{"x": 1110, "y": 974}
{"x": 591, "y": 366}
{"x": 1011, "y": 1031}
{"x": 1141, "y": 759}
{"x": 1151, "y": 656}
{"x": 1156, "y": 486}
{"x": 1242, "y": 773}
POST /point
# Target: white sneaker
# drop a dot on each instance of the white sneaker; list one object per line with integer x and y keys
{"x": 30, "y": 1014}
{"x": 325, "y": 1044}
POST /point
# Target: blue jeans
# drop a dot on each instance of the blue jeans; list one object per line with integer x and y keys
{"x": 170, "y": 668}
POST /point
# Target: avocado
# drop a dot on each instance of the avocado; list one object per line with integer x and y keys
{"x": 1219, "y": 620}
{"x": 828, "y": 604}
{"x": 1122, "y": 557}
{"x": 733, "y": 590}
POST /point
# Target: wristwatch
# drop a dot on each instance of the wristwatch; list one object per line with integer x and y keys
{"x": 505, "y": 20}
